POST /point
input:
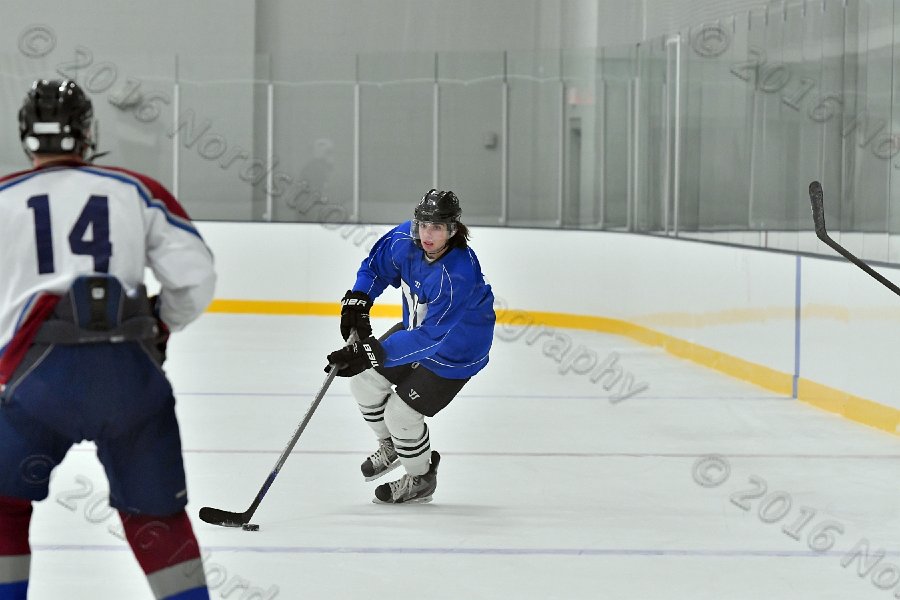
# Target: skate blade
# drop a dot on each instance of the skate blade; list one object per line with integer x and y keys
{"x": 423, "y": 500}
{"x": 385, "y": 472}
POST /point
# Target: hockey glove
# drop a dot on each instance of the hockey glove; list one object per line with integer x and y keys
{"x": 161, "y": 341}
{"x": 355, "y": 314}
{"x": 357, "y": 357}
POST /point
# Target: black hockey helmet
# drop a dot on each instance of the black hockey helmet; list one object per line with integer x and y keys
{"x": 56, "y": 118}
{"x": 437, "y": 207}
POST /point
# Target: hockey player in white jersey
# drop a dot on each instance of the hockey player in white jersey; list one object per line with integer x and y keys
{"x": 81, "y": 344}
{"x": 421, "y": 364}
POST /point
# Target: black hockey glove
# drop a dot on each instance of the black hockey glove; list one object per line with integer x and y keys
{"x": 355, "y": 314}
{"x": 357, "y": 357}
{"x": 161, "y": 341}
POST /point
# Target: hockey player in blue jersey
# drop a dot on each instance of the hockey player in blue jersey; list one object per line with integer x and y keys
{"x": 421, "y": 364}
{"x": 81, "y": 344}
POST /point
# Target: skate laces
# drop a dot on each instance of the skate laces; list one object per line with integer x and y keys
{"x": 385, "y": 454}
{"x": 404, "y": 486}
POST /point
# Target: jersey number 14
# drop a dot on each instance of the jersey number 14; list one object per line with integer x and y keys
{"x": 94, "y": 215}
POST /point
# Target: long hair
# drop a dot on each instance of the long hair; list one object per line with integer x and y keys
{"x": 460, "y": 239}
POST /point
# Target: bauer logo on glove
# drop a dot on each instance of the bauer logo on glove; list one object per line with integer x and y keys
{"x": 355, "y": 308}
{"x": 357, "y": 357}
{"x": 354, "y": 301}
{"x": 371, "y": 354}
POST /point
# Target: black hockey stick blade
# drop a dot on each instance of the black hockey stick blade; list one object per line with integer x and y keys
{"x": 217, "y": 516}
{"x": 225, "y": 518}
{"x": 817, "y": 200}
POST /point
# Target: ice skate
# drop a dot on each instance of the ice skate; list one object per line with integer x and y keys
{"x": 381, "y": 461}
{"x": 410, "y": 489}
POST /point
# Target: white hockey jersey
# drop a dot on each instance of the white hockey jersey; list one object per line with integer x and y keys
{"x": 71, "y": 219}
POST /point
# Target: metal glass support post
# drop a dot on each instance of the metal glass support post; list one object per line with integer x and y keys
{"x": 601, "y": 152}
{"x": 561, "y": 158}
{"x": 630, "y": 127}
{"x": 636, "y": 170}
{"x": 176, "y": 107}
{"x": 667, "y": 112}
{"x": 356, "y": 122}
{"x": 676, "y": 164}
{"x": 435, "y": 125}
{"x": 667, "y": 170}
{"x": 270, "y": 144}
{"x": 504, "y": 145}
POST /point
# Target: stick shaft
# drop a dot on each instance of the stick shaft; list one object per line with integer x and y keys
{"x": 217, "y": 516}
{"x": 293, "y": 442}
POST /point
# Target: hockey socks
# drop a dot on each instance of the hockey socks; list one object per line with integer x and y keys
{"x": 168, "y": 553}
{"x": 414, "y": 453}
{"x": 15, "y": 553}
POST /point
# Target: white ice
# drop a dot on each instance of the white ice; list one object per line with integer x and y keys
{"x": 546, "y": 489}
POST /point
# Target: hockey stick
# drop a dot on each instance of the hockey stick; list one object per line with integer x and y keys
{"x": 816, "y": 198}
{"x": 217, "y": 516}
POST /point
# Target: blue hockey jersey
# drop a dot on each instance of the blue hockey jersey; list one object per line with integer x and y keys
{"x": 448, "y": 308}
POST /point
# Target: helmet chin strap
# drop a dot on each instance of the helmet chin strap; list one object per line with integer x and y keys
{"x": 95, "y": 155}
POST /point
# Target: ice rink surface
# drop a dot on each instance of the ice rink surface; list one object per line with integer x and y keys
{"x": 547, "y": 489}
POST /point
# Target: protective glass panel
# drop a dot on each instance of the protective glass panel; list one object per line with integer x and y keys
{"x": 535, "y": 131}
{"x": 397, "y": 97}
{"x": 222, "y": 163}
{"x": 470, "y": 130}
{"x": 313, "y": 137}
{"x": 617, "y": 73}
{"x": 579, "y": 167}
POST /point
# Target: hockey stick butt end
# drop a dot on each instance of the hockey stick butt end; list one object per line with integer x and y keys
{"x": 817, "y": 201}
{"x": 815, "y": 189}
